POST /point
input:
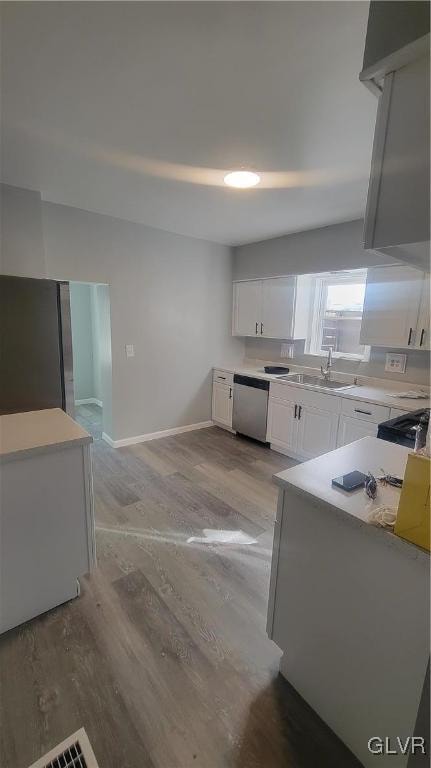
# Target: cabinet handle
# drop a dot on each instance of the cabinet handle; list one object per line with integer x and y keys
{"x": 261, "y": 329}
{"x": 296, "y": 408}
{"x": 299, "y": 411}
{"x": 410, "y": 337}
{"x": 367, "y": 413}
{"x": 230, "y": 393}
{"x": 257, "y": 325}
{"x": 222, "y": 377}
{"x": 422, "y": 337}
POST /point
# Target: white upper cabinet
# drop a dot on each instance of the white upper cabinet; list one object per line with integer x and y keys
{"x": 422, "y": 340}
{"x": 274, "y": 308}
{"x": 397, "y": 69}
{"x": 397, "y": 219}
{"x": 278, "y": 303}
{"x": 247, "y": 300}
{"x": 391, "y": 307}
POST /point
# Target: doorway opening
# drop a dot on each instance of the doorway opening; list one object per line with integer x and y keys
{"x": 92, "y": 358}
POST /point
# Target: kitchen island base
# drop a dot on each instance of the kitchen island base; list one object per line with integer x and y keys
{"x": 349, "y": 603}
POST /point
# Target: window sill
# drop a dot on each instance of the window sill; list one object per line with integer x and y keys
{"x": 341, "y": 356}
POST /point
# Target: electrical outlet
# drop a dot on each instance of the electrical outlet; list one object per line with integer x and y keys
{"x": 130, "y": 350}
{"x": 395, "y": 363}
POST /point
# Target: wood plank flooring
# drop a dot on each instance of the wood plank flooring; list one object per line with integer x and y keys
{"x": 164, "y": 657}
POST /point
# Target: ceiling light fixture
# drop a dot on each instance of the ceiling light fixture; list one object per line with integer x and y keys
{"x": 241, "y": 179}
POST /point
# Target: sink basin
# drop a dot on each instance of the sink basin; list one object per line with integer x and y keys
{"x": 315, "y": 381}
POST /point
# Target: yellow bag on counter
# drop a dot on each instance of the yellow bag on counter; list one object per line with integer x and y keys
{"x": 413, "y": 518}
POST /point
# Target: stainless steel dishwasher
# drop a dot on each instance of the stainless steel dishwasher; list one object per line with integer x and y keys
{"x": 250, "y": 406}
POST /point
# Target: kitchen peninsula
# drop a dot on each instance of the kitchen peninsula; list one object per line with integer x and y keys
{"x": 46, "y": 512}
{"x": 349, "y": 602}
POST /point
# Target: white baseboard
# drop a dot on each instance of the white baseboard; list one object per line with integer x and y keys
{"x": 108, "y": 440}
{"x": 154, "y": 435}
{"x": 89, "y": 401}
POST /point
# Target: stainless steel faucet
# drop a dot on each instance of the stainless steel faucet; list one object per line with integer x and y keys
{"x": 326, "y": 372}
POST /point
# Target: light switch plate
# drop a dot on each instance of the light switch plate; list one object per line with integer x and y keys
{"x": 130, "y": 350}
{"x": 395, "y": 363}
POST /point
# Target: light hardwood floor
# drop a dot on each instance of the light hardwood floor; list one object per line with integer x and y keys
{"x": 164, "y": 658}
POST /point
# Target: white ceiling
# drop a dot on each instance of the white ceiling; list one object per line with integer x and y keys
{"x": 138, "y": 109}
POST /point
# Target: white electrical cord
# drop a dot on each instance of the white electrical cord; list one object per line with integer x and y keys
{"x": 383, "y": 517}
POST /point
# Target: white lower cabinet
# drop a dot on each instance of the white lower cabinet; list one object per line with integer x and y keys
{"x": 360, "y": 419}
{"x": 222, "y": 404}
{"x": 317, "y": 431}
{"x": 350, "y": 429}
{"x": 301, "y": 423}
{"x": 282, "y": 425}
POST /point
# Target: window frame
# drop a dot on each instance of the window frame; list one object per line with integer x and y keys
{"x": 322, "y": 282}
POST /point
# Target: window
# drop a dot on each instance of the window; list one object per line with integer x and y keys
{"x": 337, "y": 314}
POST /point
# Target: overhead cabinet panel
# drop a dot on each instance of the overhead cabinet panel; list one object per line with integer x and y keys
{"x": 422, "y": 340}
{"x": 397, "y": 219}
{"x": 391, "y": 306}
{"x": 402, "y": 214}
{"x": 274, "y": 308}
{"x": 247, "y": 308}
{"x": 278, "y": 302}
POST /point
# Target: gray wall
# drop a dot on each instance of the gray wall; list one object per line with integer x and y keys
{"x": 170, "y": 296}
{"x": 82, "y": 340}
{"x": 22, "y": 250}
{"x": 316, "y": 250}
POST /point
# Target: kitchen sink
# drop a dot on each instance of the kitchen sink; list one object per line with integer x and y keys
{"x": 315, "y": 381}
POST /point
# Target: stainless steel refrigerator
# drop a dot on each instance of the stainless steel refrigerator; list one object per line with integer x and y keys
{"x": 36, "y": 367}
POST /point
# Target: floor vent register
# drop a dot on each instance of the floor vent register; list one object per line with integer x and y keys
{"x": 74, "y": 752}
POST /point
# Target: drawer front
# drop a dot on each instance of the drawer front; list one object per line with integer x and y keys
{"x": 302, "y": 396}
{"x": 223, "y": 377}
{"x": 367, "y": 411}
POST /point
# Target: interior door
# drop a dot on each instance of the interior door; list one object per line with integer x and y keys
{"x": 247, "y": 308}
{"x": 350, "y": 429}
{"x": 278, "y": 301}
{"x": 282, "y": 425}
{"x": 390, "y": 313}
{"x": 317, "y": 431}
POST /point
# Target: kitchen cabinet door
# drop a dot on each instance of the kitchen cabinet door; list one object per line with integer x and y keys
{"x": 278, "y": 303}
{"x": 222, "y": 404}
{"x": 350, "y": 429}
{"x": 423, "y": 327}
{"x": 317, "y": 431}
{"x": 398, "y": 204}
{"x": 247, "y": 308}
{"x": 391, "y": 306}
{"x": 282, "y": 425}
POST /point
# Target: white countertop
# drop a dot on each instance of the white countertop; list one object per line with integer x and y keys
{"x": 22, "y": 434}
{"x": 367, "y": 455}
{"x": 371, "y": 391}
